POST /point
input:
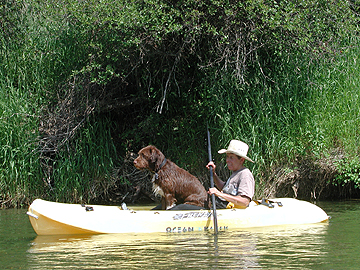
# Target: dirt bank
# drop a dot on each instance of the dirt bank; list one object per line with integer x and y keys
{"x": 311, "y": 179}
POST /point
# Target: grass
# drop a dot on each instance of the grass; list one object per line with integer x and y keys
{"x": 83, "y": 172}
{"x": 19, "y": 169}
{"x": 336, "y": 104}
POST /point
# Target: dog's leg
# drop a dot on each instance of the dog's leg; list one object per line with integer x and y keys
{"x": 170, "y": 201}
{"x": 196, "y": 200}
{"x": 163, "y": 203}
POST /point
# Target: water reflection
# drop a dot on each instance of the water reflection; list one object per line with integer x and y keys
{"x": 265, "y": 248}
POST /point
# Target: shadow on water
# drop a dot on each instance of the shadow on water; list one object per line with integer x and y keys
{"x": 16, "y": 235}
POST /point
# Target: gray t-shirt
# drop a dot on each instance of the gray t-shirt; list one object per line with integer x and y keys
{"x": 240, "y": 182}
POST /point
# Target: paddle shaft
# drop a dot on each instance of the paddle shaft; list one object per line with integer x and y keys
{"x": 212, "y": 185}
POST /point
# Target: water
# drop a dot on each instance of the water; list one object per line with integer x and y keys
{"x": 321, "y": 246}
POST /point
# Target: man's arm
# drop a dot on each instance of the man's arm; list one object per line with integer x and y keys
{"x": 239, "y": 200}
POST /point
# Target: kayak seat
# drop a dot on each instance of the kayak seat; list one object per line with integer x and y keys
{"x": 87, "y": 208}
{"x": 268, "y": 203}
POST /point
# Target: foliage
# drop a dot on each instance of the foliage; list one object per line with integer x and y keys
{"x": 84, "y": 83}
{"x": 84, "y": 172}
{"x": 335, "y": 112}
{"x": 153, "y": 48}
{"x": 336, "y": 100}
{"x": 18, "y": 132}
{"x": 20, "y": 174}
{"x": 349, "y": 172}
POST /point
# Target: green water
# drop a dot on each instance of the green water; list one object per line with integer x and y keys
{"x": 335, "y": 245}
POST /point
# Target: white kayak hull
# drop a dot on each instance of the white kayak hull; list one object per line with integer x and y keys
{"x": 51, "y": 218}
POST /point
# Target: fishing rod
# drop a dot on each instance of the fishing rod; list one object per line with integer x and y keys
{"x": 212, "y": 185}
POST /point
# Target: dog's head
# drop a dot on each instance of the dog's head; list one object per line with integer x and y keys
{"x": 149, "y": 158}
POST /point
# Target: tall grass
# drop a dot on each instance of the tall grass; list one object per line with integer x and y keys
{"x": 20, "y": 82}
{"x": 334, "y": 113}
{"x": 83, "y": 171}
{"x": 30, "y": 66}
{"x": 264, "y": 116}
{"x": 20, "y": 172}
{"x": 334, "y": 110}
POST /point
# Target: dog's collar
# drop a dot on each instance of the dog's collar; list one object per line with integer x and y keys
{"x": 161, "y": 165}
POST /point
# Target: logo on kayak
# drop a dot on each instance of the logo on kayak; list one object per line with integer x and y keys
{"x": 192, "y": 215}
{"x": 193, "y": 229}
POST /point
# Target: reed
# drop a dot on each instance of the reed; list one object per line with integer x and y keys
{"x": 335, "y": 107}
{"x": 83, "y": 171}
{"x": 38, "y": 52}
{"x": 20, "y": 173}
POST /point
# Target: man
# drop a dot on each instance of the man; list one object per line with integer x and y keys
{"x": 239, "y": 189}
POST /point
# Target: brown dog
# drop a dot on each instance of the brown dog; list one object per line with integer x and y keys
{"x": 174, "y": 184}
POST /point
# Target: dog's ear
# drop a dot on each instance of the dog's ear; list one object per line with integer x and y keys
{"x": 156, "y": 158}
{"x": 153, "y": 158}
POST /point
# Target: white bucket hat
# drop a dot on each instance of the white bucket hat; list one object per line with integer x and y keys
{"x": 238, "y": 148}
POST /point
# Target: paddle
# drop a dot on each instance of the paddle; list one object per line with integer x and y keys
{"x": 212, "y": 185}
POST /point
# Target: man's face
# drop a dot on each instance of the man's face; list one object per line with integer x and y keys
{"x": 233, "y": 162}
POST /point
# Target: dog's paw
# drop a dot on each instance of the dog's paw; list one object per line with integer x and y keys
{"x": 170, "y": 206}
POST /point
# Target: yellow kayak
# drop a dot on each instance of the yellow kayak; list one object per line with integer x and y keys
{"x": 52, "y": 218}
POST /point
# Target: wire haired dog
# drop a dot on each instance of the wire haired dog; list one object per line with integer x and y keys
{"x": 175, "y": 185}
